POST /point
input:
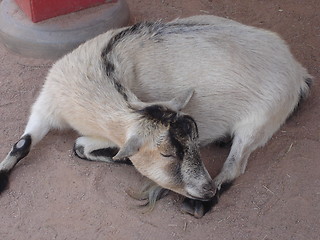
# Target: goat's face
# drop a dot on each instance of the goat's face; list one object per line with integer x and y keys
{"x": 167, "y": 152}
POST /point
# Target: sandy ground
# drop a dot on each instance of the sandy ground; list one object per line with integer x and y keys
{"x": 54, "y": 195}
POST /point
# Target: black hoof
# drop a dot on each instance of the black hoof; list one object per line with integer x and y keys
{"x": 196, "y": 208}
{"x": 79, "y": 152}
{"x": 126, "y": 161}
{"x": 4, "y": 180}
{"x": 199, "y": 208}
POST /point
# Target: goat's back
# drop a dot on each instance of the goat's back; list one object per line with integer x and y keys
{"x": 238, "y": 71}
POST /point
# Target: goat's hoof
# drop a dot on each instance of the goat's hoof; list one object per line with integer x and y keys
{"x": 126, "y": 161}
{"x": 79, "y": 151}
{"x": 195, "y": 208}
{"x": 4, "y": 180}
{"x": 199, "y": 208}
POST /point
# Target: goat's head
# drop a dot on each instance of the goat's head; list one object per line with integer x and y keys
{"x": 163, "y": 146}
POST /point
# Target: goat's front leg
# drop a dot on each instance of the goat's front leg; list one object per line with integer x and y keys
{"x": 235, "y": 165}
{"x": 96, "y": 149}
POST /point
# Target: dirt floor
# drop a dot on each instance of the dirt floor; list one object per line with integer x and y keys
{"x": 55, "y": 195}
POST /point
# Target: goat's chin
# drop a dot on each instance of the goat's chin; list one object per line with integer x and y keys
{"x": 198, "y": 198}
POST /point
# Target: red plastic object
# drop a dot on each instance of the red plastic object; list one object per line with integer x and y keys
{"x": 38, "y": 10}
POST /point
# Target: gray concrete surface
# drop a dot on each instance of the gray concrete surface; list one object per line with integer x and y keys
{"x": 55, "y": 37}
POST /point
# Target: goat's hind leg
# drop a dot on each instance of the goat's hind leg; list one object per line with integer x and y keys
{"x": 97, "y": 149}
{"x": 19, "y": 150}
{"x": 39, "y": 124}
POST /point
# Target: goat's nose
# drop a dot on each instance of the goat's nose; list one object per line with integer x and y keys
{"x": 208, "y": 186}
{"x": 209, "y": 189}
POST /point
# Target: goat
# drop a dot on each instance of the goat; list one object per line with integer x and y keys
{"x": 155, "y": 92}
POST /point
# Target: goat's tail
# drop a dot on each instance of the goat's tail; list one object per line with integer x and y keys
{"x": 305, "y": 87}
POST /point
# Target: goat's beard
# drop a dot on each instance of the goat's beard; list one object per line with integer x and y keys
{"x": 150, "y": 193}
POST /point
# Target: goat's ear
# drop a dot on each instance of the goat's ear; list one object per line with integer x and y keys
{"x": 131, "y": 147}
{"x": 181, "y": 100}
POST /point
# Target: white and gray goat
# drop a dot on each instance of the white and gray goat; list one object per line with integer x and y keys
{"x": 124, "y": 90}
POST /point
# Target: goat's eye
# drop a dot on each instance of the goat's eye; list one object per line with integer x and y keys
{"x": 166, "y": 155}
